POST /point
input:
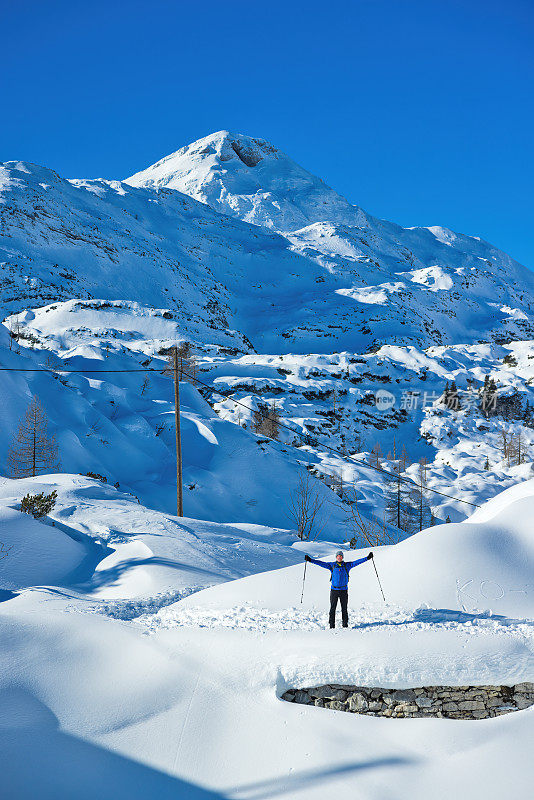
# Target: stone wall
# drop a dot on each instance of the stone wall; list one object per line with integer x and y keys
{"x": 454, "y": 702}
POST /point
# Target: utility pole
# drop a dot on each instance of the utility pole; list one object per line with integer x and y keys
{"x": 179, "y": 487}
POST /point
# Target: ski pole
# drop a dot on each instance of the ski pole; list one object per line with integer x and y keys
{"x": 378, "y": 579}
{"x": 303, "y": 579}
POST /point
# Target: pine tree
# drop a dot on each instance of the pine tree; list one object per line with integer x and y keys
{"x": 32, "y": 450}
{"x": 453, "y": 398}
{"x": 397, "y": 505}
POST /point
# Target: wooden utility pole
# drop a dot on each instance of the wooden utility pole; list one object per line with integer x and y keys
{"x": 179, "y": 487}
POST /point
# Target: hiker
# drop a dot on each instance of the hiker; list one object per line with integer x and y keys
{"x": 340, "y": 583}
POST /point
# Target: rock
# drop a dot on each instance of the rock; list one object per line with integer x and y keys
{"x": 471, "y": 705}
{"x": 335, "y": 705}
{"x": 423, "y": 702}
{"x": 358, "y": 703}
{"x": 523, "y": 701}
{"x": 403, "y": 695}
{"x": 322, "y": 691}
{"x": 340, "y": 694}
{"x": 455, "y": 702}
{"x": 523, "y": 688}
{"x": 405, "y": 708}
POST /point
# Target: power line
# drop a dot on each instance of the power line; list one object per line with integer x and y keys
{"x": 54, "y": 370}
{"x": 303, "y": 436}
{"x": 328, "y": 447}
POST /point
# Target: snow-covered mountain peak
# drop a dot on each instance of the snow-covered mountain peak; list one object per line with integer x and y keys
{"x": 249, "y": 178}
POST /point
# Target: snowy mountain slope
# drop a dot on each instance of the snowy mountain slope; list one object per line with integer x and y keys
{"x": 331, "y": 399}
{"x": 127, "y": 704}
{"x": 236, "y": 284}
{"x": 61, "y": 239}
{"x": 317, "y": 320}
{"x": 249, "y": 179}
{"x": 448, "y": 279}
{"x": 116, "y": 425}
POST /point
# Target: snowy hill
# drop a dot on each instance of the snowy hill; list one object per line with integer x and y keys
{"x": 185, "y": 700}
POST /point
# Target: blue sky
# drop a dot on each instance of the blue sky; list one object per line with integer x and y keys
{"x": 421, "y": 112}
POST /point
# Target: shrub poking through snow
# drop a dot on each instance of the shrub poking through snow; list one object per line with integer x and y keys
{"x": 39, "y": 505}
{"x": 96, "y": 476}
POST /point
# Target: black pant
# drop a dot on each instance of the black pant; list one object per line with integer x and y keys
{"x": 343, "y": 596}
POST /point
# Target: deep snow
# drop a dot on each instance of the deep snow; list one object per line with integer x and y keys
{"x": 145, "y": 655}
{"x": 184, "y": 701}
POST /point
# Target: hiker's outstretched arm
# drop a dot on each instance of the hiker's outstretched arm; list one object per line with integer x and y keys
{"x": 351, "y": 564}
{"x": 325, "y": 564}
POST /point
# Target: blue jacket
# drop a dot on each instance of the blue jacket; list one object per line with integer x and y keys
{"x": 340, "y": 572}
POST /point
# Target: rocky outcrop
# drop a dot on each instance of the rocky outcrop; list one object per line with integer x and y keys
{"x": 453, "y": 702}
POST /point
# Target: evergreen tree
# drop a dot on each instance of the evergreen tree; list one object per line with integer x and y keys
{"x": 453, "y": 398}
{"x": 397, "y": 499}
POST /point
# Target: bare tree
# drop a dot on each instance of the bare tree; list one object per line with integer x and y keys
{"x": 514, "y": 448}
{"x": 505, "y": 445}
{"x": 4, "y": 550}
{"x": 32, "y": 450}
{"x": 375, "y": 455}
{"x": 187, "y": 363}
{"x": 336, "y": 482}
{"x": 266, "y": 420}
{"x": 305, "y": 506}
{"x": 94, "y": 428}
{"x": 14, "y": 330}
{"x": 160, "y": 427}
{"x": 367, "y": 531}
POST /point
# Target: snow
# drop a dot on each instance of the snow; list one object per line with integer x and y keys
{"x": 138, "y": 554}
{"x": 107, "y": 274}
{"x": 186, "y": 699}
{"x": 36, "y": 554}
{"x": 143, "y": 654}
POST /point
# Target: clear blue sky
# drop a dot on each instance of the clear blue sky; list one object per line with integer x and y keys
{"x": 421, "y": 111}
